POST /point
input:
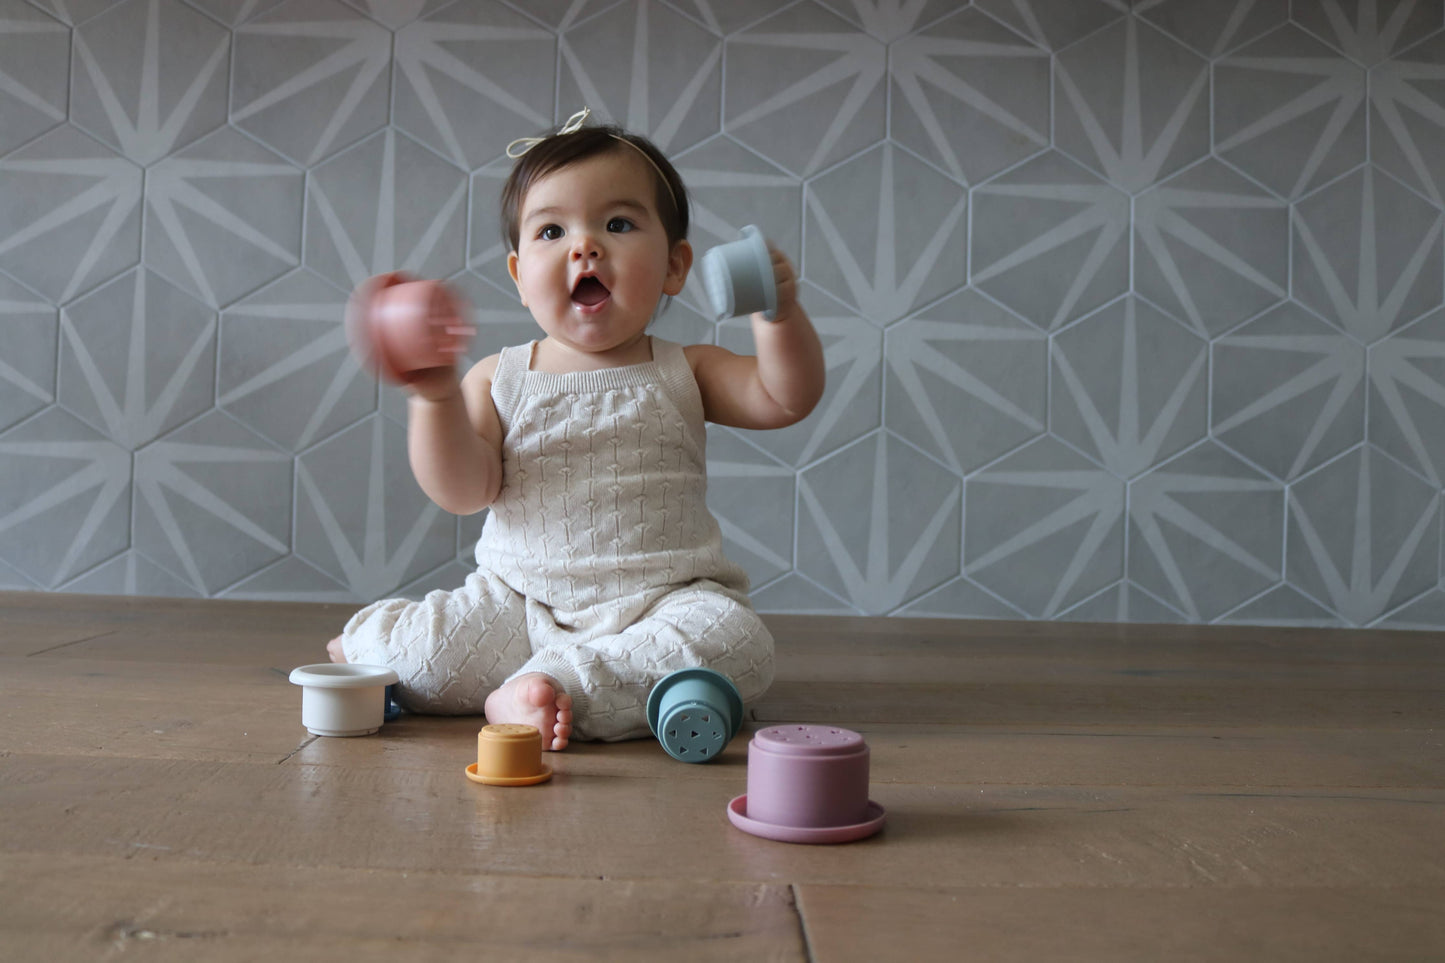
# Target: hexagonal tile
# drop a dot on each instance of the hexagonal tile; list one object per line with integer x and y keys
{"x": 1050, "y": 240}
{"x": 1367, "y": 254}
{"x": 137, "y": 358}
{"x": 1369, "y": 31}
{"x": 1044, "y": 528}
{"x": 1211, "y": 247}
{"x": 966, "y": 381}
{"x": 849, "y": 408}
{"x": 285, "y": 368}
{"x": 65, "y": 504}
{"x": 71, "y": 207}
{"x": 753, "y": 497}
{"x": 1132, "y": 104}
{"x": 886, "y": 234}
{"x": 1407, "y": 396}
{"x": 1407, "y": 129}
{"x": 34, "y": 51}
{"x": 1129, "y": 387}
{"x": 969, "y": 95}
{"x": 1288, "y": 111}
{"x": 1364, "y": 535}
{"x": 1212, "y": 29}
{"x": 150, "y": 77}
{"x": 229, "y": 12}
{"x": 361, "y": 517}
{"x": 879, "y": 524}
{"x": 1206, "y": 532}
{"x": 648, "y": 68}
{"x": 214, "y": 502}
{"x": 1054, "y": 24}
{"x": 1283, "y": 605}
{"x": 310, "y": 77}
{"x": 223, "y": 217}
{"x": 1288, "y": 391}
{"x": 29, "y": 327}
{"x": 471, "y": 78}
{"x": 386, "y": 205}
{"x": 804, "y": 89}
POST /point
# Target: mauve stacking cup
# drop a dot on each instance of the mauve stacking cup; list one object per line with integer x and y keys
{"x": 807, "y": 784}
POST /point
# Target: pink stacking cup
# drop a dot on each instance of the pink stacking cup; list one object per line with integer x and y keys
{"x": 398, "y": 325}
{"x": 807, "y": 784}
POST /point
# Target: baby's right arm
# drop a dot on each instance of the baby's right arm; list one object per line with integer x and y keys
{"x": 454, "y": 437}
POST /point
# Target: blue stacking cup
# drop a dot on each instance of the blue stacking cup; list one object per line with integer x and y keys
{"x": 694, "y": 713}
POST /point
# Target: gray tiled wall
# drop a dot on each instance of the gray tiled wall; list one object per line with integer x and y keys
{"x": 1133, "y": 311}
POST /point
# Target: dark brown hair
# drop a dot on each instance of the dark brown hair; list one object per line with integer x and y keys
{"x": 556, "y": 151}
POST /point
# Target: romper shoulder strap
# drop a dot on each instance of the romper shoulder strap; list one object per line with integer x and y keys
{"x": 678, "y": 380}
{"x": 512, "y": 365}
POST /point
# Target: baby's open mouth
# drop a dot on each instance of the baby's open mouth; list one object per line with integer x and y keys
{"x": 589, "y": 291}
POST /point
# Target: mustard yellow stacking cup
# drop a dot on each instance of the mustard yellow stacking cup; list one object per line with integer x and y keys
{"x": 509, "y": 755}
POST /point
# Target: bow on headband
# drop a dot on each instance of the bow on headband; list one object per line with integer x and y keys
{"x": 574, "y": 123}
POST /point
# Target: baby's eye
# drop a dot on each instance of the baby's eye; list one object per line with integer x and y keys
{"x": 619, "y": 225}
{"x": 551, "y": 232}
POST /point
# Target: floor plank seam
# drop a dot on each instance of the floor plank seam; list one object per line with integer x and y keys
{"x": 62, "y": 645}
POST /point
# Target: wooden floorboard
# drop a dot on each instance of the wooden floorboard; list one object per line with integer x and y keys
{"x": 1053, "y": 792}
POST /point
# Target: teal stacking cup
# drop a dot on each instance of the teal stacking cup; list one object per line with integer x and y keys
{"x": 738, "y": 277}
{"x": 694, "y": 713}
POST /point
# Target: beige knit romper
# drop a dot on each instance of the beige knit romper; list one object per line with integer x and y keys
{"x": 599, "y": 563}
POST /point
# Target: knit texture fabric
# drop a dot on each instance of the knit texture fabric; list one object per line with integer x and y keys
{"x": 599, "y": 563}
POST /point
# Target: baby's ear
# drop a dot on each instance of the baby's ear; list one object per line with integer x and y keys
{"x": 679, "y": 262}
{"x": 512, "y": 270}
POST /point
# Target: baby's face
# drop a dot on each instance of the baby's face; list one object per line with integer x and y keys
{"x": 593, "y": 258}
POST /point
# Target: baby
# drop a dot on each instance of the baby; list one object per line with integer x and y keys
{"x": 599, "y": 568}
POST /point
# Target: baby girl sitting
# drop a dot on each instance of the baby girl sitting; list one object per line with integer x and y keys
{"x": 599, "y": 568}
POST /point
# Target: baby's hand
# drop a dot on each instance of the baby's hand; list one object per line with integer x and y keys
{"x": 402, "y": 328}
{"x": 787, "y": 282}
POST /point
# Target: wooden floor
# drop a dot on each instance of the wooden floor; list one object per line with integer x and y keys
{"x": 1053, "y": 792}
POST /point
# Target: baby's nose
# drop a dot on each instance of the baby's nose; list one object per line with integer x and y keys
{"x": 585, "y": 246}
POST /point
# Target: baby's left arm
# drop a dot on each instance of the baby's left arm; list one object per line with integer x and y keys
{"x": 782, "y": 383}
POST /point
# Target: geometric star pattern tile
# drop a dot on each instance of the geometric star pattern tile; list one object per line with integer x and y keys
{"x": 1407, "y": 396}
{"x": 1211, "y": 247}
{"x": 1407, "y": 119}
{"x": 1044, "y": 528}
{"x": 1367, "y": 254}
{"x": 647, "y": 68}
{"x": 71, "y": 209}
{"x": 1050, "y": 240}
{"x": 149, "y": 77}
{"x": 471, "y": 77}
{"x": 34, "y": 50}
{"x": 890, "y": 233}
{"x": 1129, "y": 387}
{"x": 1131, "y": 310}
{"x": 1370, "y": 32}
{"x": 1054, "y": 24}
{"x": 1364, "y": 535}
{"x": 1288, "y": 391}
{"x": 969, "y": 95}
{"x": 804, "y": 88}
{"x": 1204, "y": 532}
{"x": 1212, "y": 29}
{"x": 1132, "y": 104}
{"x": 1288, "y": 112}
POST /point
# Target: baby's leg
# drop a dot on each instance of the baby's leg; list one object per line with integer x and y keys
{"x": 533, "y": 699}
{"x": 449, "y": 650}
{"x": 610, "y": 676}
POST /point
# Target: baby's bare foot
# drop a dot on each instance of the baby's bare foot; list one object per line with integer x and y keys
{"x": 537, "y": 700}
{"x": 333, "y": 649}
